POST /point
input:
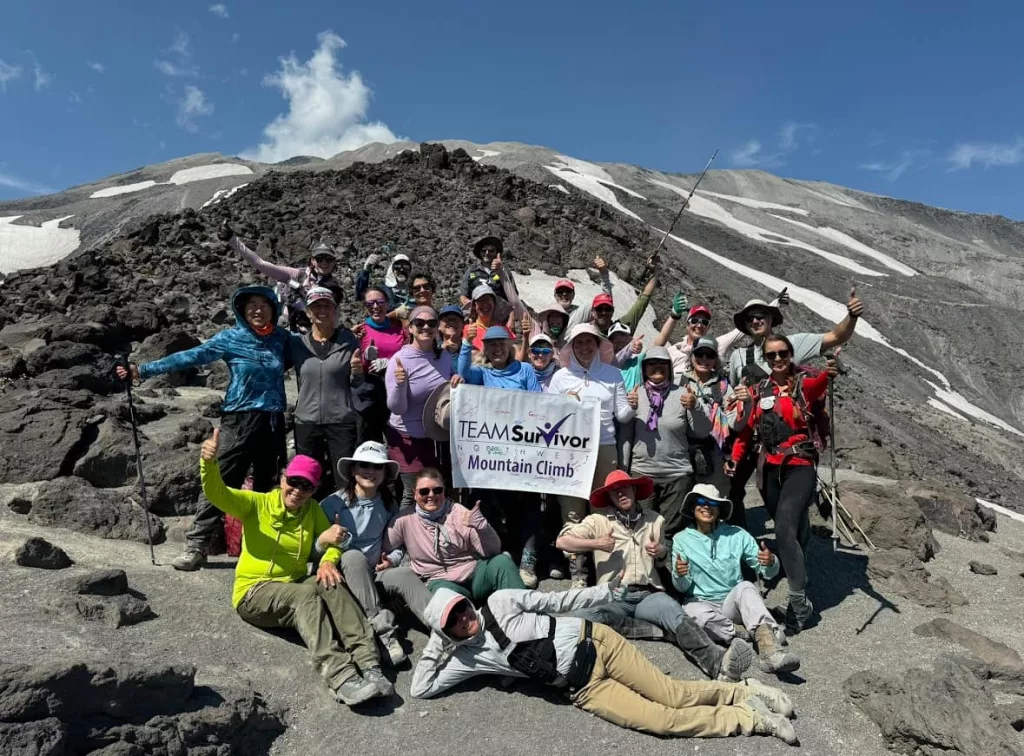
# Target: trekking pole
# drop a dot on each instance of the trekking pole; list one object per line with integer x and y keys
{"x": 832, "y": 460}
{"x": 654, "y": 255}
{"x": 138, "y": 455}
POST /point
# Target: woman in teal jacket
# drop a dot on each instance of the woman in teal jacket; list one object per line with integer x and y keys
{"x": 252, "y": 419}
{"x": 707, "y": 558}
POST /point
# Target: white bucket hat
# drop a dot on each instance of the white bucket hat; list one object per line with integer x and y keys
{"x": 372, "y": 453}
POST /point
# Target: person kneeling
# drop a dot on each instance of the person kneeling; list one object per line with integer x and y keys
{"x": 272, "y": 588}
{"x": 514, "y": 634}
{"x": 361, "y": 510}
{"x": 623, "y": 535}
{"x": 707, "y": 559}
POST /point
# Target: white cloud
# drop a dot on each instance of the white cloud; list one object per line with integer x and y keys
{"x": 327, "y": 109}
{"x": 987, "y": 154}
{"x": 43, "y": 78}
{"x": 182, "y": 65}
{"x": 190, "y": 106}
{"x": 8, "y": 73}
{"x": 793, "y": 133}
{"x": 892, "y": 170}
{"x": 13, "y": 182}
{"x": 97, "y": 67}
{"x": 219, "y": 9}
{"x": 750, "y": 156}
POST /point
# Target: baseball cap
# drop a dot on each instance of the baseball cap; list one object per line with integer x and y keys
{"x": 451, "y": 310}
{"x": 564, "y": 283}
{"x": 700, "y": 310}
{"x": 496, "y": 332}
{"x": 482, "y": 290}
{"x": 601, "y": 300}
{"x": 318, "y": 293}
{"x": 306, "y": 467}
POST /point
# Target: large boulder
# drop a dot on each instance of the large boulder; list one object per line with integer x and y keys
{"x": 890, "y": 519}
{"x": 165, "y": 343}
{"x": 998, "y": 656}
{"x": 44, "y": 433}
{"x": 40, "y": 553}
{"x": 953, "y": 512}
{"x": 948, "y": 711}
{"x": 109, "y": 462}
{"x": 172, "y": 481}
{"x": 906, "y": 576}
{"x": 105, "y": 512}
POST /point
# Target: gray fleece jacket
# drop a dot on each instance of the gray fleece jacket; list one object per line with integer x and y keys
{"x": 327, "y": 393}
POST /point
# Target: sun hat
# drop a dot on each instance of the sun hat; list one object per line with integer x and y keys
{"x": 564, "y": 283}
{"x": 451, "y": 310}
{"x": 371, "y": 452}
{"x": 483, "y": 290}
{"x": 556, "y": 308}
{"x": 740, "y": 318}
{"x": 437, "y": 413}
{"x": 306, "y": 467}
{"x": 620, "y": 479}
{"x": 602, "y": 299}
{"x": 542, "y": 338}
{"x": 707, "y": 491}
{"x": 604, "y": 347}
{"x": 496, "y": 332}
{"x": 322, "y": 248}
{"x": 700, "y": 309}
{"x": 482, "y": 242}
{"x": 320, "y": 293}
{"x": 619, "y": 327}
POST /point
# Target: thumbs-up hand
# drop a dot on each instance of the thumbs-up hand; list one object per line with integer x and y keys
{"x": 334, "y": 535}
{"x": 652, "y": 547}
{"x": 764, "y": 557}
{"x": 355, "y": 365}
{"x": 729, "y": 467}
{"x": 741, "y": 393}
{"x": 225, "y": 232}
{"x": 855, "y": 307}
{"x": 783, "y": 297}
{"x": 510, "y": 324}
{"x": 682, "y": 566}
{"x": 208, "y": 451}
{"x": 471, "y": 332}
{"x": 467, "y": 514}
{"x": 527, "y": 324}
{"x": 638, "y": 344}
{"x": 600, "y": 264}
{"x": 496, "y": 263}
{"x": 688, "y": 399}
{"x": 634, "y": 397}
{"x": 400, "y": 374}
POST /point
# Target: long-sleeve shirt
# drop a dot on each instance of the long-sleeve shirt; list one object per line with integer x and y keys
{"x": 281, "y": 273}
{"x": 681, "y": 350}
{"x": 814, "y": 388}
{"x": 581, "y": 313}
{"x": 630, "y": 553}
{"x": 367, "y": 524}
{"x": 715, "y": 561}
{"x": 445, "y": 550}
{"x": 664, "y": 453}
{"x": 276, "y": 543}
{"x": 522, "y": 615}
{"x": 516, "y": 375}
{"x": 602, "y": 382}
{"x": 425, "y": 371}
{"x": 328, "y": 393}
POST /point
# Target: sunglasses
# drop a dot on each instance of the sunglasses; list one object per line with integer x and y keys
{"x": 699, "y": 321}
{"x": 564, "y": 292}
{"x": 300, "y": 483}
{"x": 436, "y": 490}
{"x": 704, "y": 354}
{"x": 324, "y": 259}
{"x": 702, "y": 502}
{"x": 422, "y": 287}
{"x": 604, "y": 310}
{"x": 369, "y": 466}
{"x": 369, "y": 304}
{"x": 541, "y": 351}
{"x": 782, "y": 354}
{"x": 657, "y": 363}
{"x": 756, "y": 316}
{"x": 422, "y": 325}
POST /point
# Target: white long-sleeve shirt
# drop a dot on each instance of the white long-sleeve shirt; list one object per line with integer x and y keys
{"x": 602, "y": 382}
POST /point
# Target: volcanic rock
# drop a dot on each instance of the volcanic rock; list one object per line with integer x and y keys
{"x": 115, "y": 611}
{"x": 890, "y": 520}
{"x": 44, "y": 434}
{"x": 38, "y": 552}
{"x": 997, "y": 656}
{"x": 953, "y": 512}
{"x": 980, "y": 568}
{"x": 108, "y": 513}
{"x": 110, "y": 582}
{"x": 905, "y": 575}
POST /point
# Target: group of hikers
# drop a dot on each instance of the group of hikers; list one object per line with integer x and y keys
{"x": 655, "y": 546}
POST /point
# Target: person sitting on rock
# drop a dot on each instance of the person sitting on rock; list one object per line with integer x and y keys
{"x": 451, "y": 546}
{"x": 707, "y": 559}
{"x": 757, "y": 319}
{"x": 295, "y": 282}
{"x": 565, "y": 295}
{"x": 525, "y": 634}
{"x": 453, "y": 321}
{"x": 396, "y": 277}
{"x": 272, "y": 588}
{"x": 252, "y": 415}
{"x": 623, "y": 536}
{"x": 362, "y": 509}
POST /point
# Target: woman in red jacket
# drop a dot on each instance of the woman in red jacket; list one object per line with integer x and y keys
{"x": 782, "y": 413}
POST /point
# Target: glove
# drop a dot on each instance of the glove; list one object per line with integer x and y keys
{"x": 372, "y": 260}
{"x": 378, "y": 365}
{"x": 618, "y": 590}
{"x": 679, "y": 305}
{"x": 225, "y": 232}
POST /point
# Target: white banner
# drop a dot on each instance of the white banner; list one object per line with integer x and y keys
{"x": 523, "y": 440}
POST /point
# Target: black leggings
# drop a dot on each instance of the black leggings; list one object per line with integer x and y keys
{"x": 788, "y": 492}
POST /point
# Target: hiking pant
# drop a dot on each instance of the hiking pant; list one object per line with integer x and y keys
{"x": 327, "y": 444}
{"x": 365, "y": 583}
{"x": 574, "y": 508}
{"x": 490, "y": 575}
{"x": 745, "y": 470}
{"x": 627, "y": 690}
{"x": 667, "y": 501}
{"x": 660, "y": 609}
{"x": 310, "y": 608}
{"x": 514, "y": 515}
{"x": 788, "y": 492}
{"x": 743, "y": 604}
{"x": 247, "y": 439}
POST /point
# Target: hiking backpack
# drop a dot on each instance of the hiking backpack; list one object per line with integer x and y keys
{"x": 773, "y": 430}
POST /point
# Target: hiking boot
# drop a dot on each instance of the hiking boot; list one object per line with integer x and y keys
{"x": 528, "y": 568}
{"x": 741, "y": 632}
{"x": 374, "y": 676}
{"x": 773, "y": 658}
{"x": 355, "y": 690}
{"x": 556, "y": 573}
{"x": 769, "y": 723}
{"x": 776, "y": 701}
{"x": 578, "y": 570}
{"x": 396, "y": 654}
{"x": 798, "y": 612}
{"x": 190, "y": 561}
{"x": 780, "y": 636}
{"x": 737, "y": 660}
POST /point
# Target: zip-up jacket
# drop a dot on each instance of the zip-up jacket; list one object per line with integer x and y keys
{"x": 630, "y": 553}
{"x": 516, "y": 375}
{"x": 602, "y": 382}
{"x": 327, "y": 393}
{"x": 814, "y": 388}
{"x": 715, "y": 561}
{"x": 256, "y": 363}
{"x": 444, "y": 550}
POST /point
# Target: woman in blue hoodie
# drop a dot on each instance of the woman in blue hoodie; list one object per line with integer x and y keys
{"x": 515, "y": 515}
{"x": 252, "y": 419}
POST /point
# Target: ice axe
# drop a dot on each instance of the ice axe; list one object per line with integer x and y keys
{"x": 123, "y": 362}
{"x": 652, "y": 259}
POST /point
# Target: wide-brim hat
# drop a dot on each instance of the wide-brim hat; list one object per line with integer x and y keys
{"x": 437, "y": 413}
{"x": 707, "y": 491}
{"x": 606, "y": 352}
{"x": 371, "y": 452}
{"x": 620, "y": 479}
{"x": 480, "y": 243}
{"x": 740, "y": 318}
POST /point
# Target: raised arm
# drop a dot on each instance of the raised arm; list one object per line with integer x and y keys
{"x": 634, "y": 313}
{"x": 843, "y": 331}
{"x": 472, "y": 374}
{"x": 281, "y": 273}
{"x": 236, "y": 503}
{"x": 205, "y": 353}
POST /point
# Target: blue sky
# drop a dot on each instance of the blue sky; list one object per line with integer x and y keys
{"x": 880, "y": 96}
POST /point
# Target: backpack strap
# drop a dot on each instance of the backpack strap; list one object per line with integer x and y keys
{"x": 491, "y": 626}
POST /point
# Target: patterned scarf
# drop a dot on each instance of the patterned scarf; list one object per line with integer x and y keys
{"x": 628, "y": 519}
{"x": 714, "y": 410}
{"x": 656, "y": 393}
{"x": 442, "y": 539}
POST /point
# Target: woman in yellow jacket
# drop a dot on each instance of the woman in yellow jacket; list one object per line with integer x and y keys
{"x": 272, "y": 584}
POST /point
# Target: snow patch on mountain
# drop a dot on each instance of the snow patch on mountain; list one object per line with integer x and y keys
{"x": 594, "y": 180}
{"x": 959, "y": 402}
{"x": 559, "y": 187}
{"x": 945, "y": 408}
{"x": 857, "y": 246}
{"x": 114, "y": 191}
{"x": 222, "y": 194}
{"x": 184, "y": 176}
{"x": 1001, "y": 510}
{"x": 35, "y": 246}
{"x": 485, "y": 154}
{"x": 756, "y": 204}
